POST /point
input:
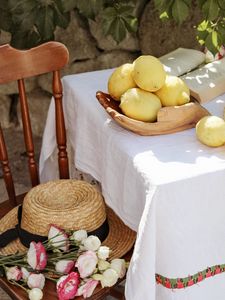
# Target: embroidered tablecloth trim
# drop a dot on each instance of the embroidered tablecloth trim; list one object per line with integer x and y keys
{"x": 179, "y": 283}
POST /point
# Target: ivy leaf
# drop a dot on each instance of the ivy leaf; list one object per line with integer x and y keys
{"x": 210, "y": 9}
{"x": 180, "y": 11}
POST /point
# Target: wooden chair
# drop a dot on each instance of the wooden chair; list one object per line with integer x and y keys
{"x": 17, "y": 65}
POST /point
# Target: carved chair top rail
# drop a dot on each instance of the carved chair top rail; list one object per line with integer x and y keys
{"x": 17, "y": 64}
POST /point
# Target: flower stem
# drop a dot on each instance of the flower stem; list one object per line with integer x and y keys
{"x": 17, "y": 284}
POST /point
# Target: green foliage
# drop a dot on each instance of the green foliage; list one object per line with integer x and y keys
{"x": 210, "y": 31}
{"x": 32, "y": 22}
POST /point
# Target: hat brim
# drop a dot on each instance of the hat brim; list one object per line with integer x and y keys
{"x": 120, "y": 238}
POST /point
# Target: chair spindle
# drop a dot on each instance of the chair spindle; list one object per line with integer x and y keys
{"x": 60, "y": 126}
{"x": 6, "y": 171}
{"x": 28, "y": 134}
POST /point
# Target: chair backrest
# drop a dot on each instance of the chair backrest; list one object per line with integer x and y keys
{"x": 17, "y": 65}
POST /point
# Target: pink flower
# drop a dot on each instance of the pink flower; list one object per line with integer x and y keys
{"x": 67, "y": 286}
{"x": 58, "y": 238}
{"x": 64, "y": 266}
{"x": 36, "y": 281}
{"x": 36, "y": 256}
{"x": 86, "y": 263}
{"x": 87, "y": 289}
{"x": 14, "y": 273}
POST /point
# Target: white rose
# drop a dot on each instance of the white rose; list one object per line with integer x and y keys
{"x": 119, "y": 265}
{"x": 92, "y": 243}
{"x": 103, "y": 265}
{"x": 97, "y": 276}
{"x": 109, "y": 278}
{"x": 80, "y": 235}
{"x": 103, "y": 252}
{"x": 36, "y": 281}
{"x": 25, "y": 273}
{"x": 35, "y": 294}
{"x": 86, "y": 263}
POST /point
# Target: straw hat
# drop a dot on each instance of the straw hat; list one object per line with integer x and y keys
{"x": 71, "y": 205}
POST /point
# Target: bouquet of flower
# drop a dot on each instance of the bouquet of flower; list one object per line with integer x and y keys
{"x": 75, "y": 261}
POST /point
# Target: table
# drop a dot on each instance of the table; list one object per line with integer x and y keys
{"x": 169, "y": 188}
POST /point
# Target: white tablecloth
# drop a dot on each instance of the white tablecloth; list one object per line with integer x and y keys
{"x": 169, "y": 188}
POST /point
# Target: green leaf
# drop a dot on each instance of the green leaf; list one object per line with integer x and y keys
{"x": 124, "y": 10}
{"x": 131, "y": 23}
{"x": 118, "y": 30}
{"x": 201, "y": 3}
{"x": 45, "y": 23}
{"x": 69, "y": 5}
{"x": 159, "y": 4}
{"x": 180, "y": 11}
{"x": 203, "y": 25}
{"x": 210, "y": 9}
{"x": 109, "y": 12}
{"x": 117, "y": 21}
{"x": 21, "y": 7}
{"x": 25, "y": 40}
{"x": 164, "y": 16}
{"x": 61, "y": 18}
{"x": 90, "y": 8}
{"x": 209, "y": 43}
{"x": 221, "y": 4}
{"x": 188, "y": 2}
{"x": 220, "y": 30}
{"x": 201, "y": 37}
{"x": 5, "y": 16}
{"x": 215, "y": 39}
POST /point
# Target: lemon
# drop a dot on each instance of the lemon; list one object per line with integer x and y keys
{"x": 149, "y": 73}
{"x": 140, "y": 105}
{"x": 210, "y": 130}
{"x": 120, "y": 81}
{"x": 174, "y": 92}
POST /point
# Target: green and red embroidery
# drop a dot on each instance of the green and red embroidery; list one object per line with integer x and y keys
{"x": 180, "y": 283}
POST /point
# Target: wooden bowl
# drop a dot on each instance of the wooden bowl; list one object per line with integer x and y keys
{"x": 169, "y": 119}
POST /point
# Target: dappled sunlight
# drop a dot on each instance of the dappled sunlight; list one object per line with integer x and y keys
{"x": 204, "y": 76}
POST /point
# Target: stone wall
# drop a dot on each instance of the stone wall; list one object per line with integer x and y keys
{"x": 90, "y": 50}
